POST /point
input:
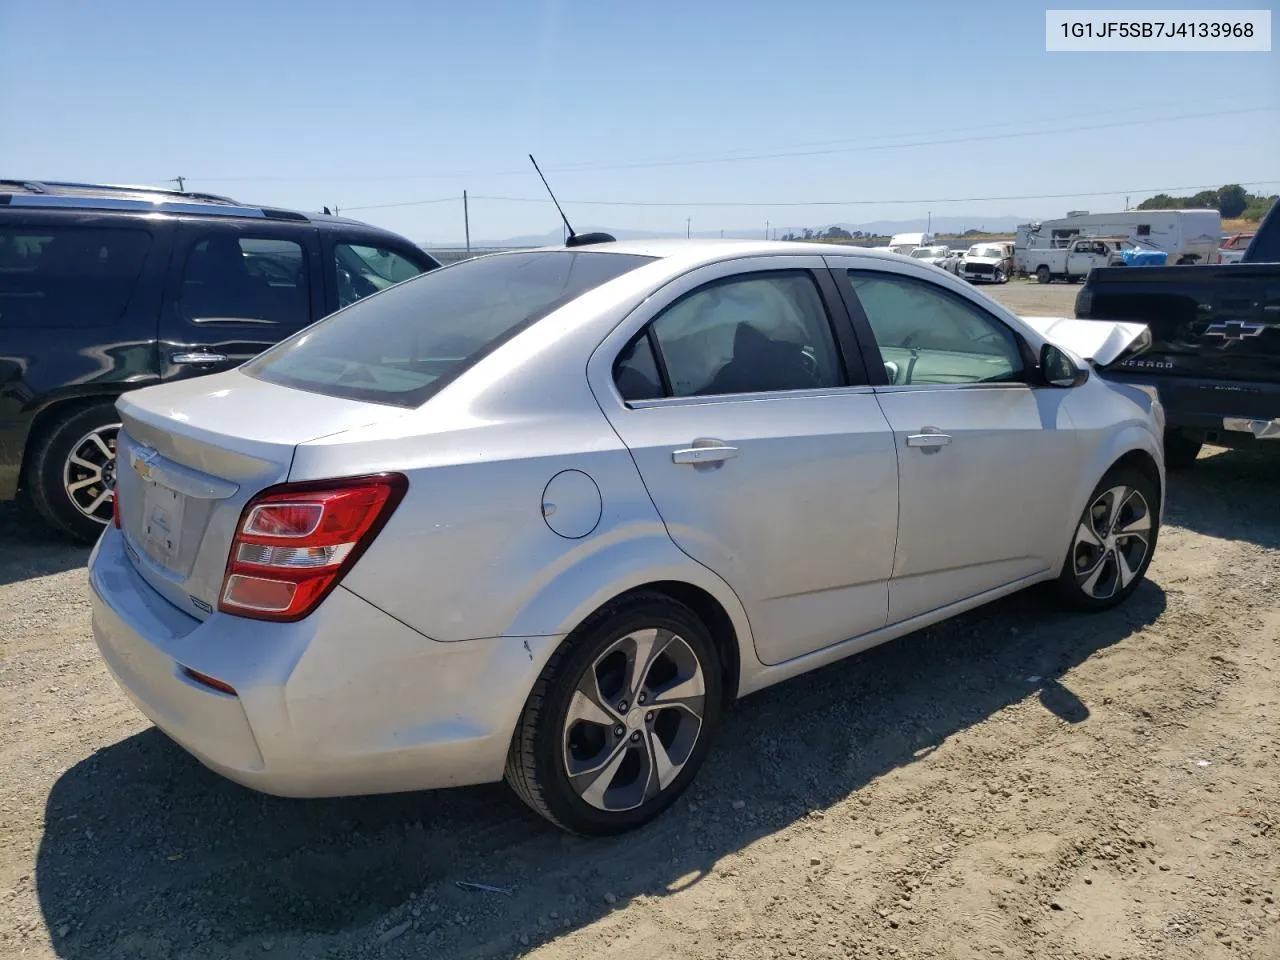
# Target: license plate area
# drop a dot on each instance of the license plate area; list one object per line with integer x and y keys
{"x": 162, "y": 516}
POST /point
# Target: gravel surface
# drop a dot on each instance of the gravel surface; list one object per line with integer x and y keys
{"x": 1016, "y": 782}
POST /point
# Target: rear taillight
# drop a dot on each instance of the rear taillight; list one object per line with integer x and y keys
{"x": 115, "y": 509}
{"x": 295, "y": 542}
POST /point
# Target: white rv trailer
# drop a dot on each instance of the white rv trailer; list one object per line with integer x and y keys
{"x": 904, "y": 243}
{"x": 1187, "y": 236}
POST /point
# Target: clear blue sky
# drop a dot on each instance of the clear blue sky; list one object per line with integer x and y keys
{"x": 316, "y": 102}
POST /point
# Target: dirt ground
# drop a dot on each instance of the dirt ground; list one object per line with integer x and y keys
{"x": 1016, "y": 782}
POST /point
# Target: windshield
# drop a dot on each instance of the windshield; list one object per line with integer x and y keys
{"x": 402, "y": 345}
{"x": 986, "y": 252}
{"x": 923, "y": 253}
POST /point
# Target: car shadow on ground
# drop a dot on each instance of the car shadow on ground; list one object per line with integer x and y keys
{"x": 29, "y": 548}
{"x": 1230, "y": 494}
{"x": 145, "y": 853}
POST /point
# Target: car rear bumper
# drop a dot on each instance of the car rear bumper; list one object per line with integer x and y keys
{"x": 348, "y": 701}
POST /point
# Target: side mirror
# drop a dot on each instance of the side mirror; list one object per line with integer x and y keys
{"x": 1058, "y": 369}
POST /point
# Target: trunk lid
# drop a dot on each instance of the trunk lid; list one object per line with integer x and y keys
{"x": 192, "y": 453}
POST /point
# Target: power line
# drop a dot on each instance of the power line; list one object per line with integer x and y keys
{"x": 819, "y": 203}
{"x": 861, "y": 146}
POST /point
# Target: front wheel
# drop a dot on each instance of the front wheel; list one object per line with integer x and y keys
{"x": 1112, "y": 545}
{"x": 72, "y": 476}
{"x": 1000, "y": 277}
{"x": 621, "y": 718}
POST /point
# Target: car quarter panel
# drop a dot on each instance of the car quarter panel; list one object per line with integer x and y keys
{"x": 469, "y": 552}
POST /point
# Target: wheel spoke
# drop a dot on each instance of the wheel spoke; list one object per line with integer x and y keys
{"x": 662, "y": 770}
{"x": 104, "y": 497}
{"x": 588, "y": 706}
{"x": 592, "y": 784}
{"x": 84, "y": 464}
{"x": 1115, "y": 498}
{"x": 96, "y": 439}
{"x": 1125, "y": 572}
{"x": 81, "y": 484}
{"x": 1090, "y": 582}
{"x": 1086, "y": 534}
{"x": 649, "y": 645}
{"x": 688, "y": 694}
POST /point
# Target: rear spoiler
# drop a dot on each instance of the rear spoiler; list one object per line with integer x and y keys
{"x": 1102, "y": 342}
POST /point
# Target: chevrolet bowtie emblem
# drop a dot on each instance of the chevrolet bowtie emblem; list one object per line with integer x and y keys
{"x": 142, "y": 461}
{"x": 1234, "y": 330}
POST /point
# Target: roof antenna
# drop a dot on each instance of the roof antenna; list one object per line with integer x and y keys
{"x": 574, "y": 239}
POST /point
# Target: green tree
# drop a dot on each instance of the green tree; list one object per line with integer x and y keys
{"x": 838, "y": 233}
{"x": 1232, "y": 200}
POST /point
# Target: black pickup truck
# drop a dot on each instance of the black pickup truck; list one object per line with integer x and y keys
{"x": 1215, "y": 350}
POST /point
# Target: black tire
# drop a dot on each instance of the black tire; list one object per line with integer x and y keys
{"x": 536, "y": 763}
{"x": 1180, "y": 451}
{"x": 1000, "y": 277}
{"x": 51, "y": 468}
{"x": 1079, "y": 562}
{"x": 1042, "y": 274}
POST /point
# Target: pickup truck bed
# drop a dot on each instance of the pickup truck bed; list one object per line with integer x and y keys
{"x": 1215, "y": 350}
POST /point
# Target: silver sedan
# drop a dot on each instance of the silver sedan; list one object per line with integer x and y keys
{"x": 539, "y": 515}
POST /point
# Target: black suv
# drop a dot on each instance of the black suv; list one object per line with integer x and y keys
{"x": 105, "y": 289}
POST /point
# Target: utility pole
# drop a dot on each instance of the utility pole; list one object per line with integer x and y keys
{"x": 180, "y": 181}
{"x": 466, "y": 220}
{"x": 766, "y": 229}
{"x": 929, "y": 228}
{"x": 688, "y": 227}
{"x": 1126, "y": 203}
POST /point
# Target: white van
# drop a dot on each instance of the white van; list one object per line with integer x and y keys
{"x": 904, "y": 243}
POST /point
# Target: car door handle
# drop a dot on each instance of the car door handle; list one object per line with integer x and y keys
{"x": 930, "y": 441}
{"x": 695, "y": 455}
{"x": 197, "y": 357}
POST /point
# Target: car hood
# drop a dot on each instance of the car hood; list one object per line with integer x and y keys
{"x": 1101, "y": 341}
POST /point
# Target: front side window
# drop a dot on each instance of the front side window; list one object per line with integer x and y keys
{"x": 53, "y": 277}
{"x": 400, "y": 346}
{"x": 762, "y": 332}
{"x": 236, "y": 278}
{"x": 362, "y": 270}
{"x": 927, "y": 335}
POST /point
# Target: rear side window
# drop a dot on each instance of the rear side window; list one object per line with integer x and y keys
{"x": 757, "y": 333}
{"x": 363, "y": 270}
{"x": 68, "y": 276}
{"x": 255, "y": 279}
{"x": 402, "y": 345}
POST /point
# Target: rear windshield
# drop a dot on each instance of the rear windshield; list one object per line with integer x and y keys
{"x": 402, "y": 345}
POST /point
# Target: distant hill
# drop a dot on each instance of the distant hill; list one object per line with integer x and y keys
{"x": 1005, "y": 223}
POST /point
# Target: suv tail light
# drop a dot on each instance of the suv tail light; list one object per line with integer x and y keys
{"x": 115, "y": 508}
{"x": 296, "y": 541}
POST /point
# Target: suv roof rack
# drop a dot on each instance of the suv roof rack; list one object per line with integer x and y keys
{"x": 104, "y": 196}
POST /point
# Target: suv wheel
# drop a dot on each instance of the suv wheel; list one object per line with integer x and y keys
{"x": 621, "y": 718}
{"x": 72, "y": 476}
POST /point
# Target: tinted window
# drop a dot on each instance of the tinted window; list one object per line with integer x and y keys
{"x": 229, "y": 277}
{"x": 400, "y": 346}
{"x": 927, "y": 335}
{"x": 68, "y": 276}
{"x": 364, "y": 270}
{"x": 636, "y": 371}
{"x": 764, "y": 332}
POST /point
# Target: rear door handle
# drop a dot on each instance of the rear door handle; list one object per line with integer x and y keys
{"x": 929, "y": 441}
{"x": 198, "y": 357}
{"x": 695, "y": 455}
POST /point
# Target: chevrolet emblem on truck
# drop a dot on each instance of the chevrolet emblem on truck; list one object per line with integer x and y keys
{"x": 1234, "y": 330}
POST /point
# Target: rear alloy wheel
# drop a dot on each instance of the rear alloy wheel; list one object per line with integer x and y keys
{"x": 620, "y": 719}
{"x": 72, "y": 475}
{"x": 1042, "y": 274}
{"x": 1113, "y": 542}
